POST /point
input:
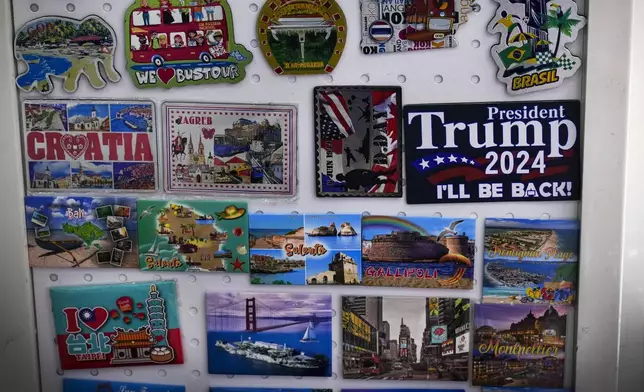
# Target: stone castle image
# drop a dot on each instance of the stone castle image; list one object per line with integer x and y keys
{"x": 413, "y": 246}
{"x": 342, "y": 270}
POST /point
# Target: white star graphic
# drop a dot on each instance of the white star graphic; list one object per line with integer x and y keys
{"x": 472, "y": 162}
{"x": 87, "y": 315}
{"x": 464, "y": 160}
{"x": 439, "y": 160}
{"x": 452, "y": 158}
{"x": 424, "y": 164}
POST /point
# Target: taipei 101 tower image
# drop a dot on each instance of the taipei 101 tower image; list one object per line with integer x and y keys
{"x": 161, "y": 352}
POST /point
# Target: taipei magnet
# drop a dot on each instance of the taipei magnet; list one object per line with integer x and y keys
{"x": 532, "y": 54}
{"x": 408, "y": 25}
{"x": 78, "y": 385}
{"x": 65, "y": 48}
{"x": 117, "y": 325}
{"x": 302, "y": 36}
{"x": 174, "y": 43}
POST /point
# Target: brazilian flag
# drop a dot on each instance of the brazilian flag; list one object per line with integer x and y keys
{"x": 516, "y": 54}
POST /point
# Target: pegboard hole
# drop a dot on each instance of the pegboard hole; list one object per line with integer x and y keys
{"x": 60, "y": 372}
{"x": 402, "y": 213}
{"x": 545, "y": 216}
{"x": 123, "y": 278}
{"x": 230, "y": 375}
{"x": 253, "y": 7}
{"x": 438, "y": 79}
{"x": 401, "y": 79}
{"x": 127, "y": 372}
{"x": 255, "y": 78}
{"x": 265, "y": 377}
{"x": 157, "y": 278}
{"x": 194, "y": 342}
{"x": 475, "y": 79}
{"x": 299, "y": 377}
{"x": 330, "y": 213}
{"x": 88, "y": 278}
{"x": 226, "y": 279}
{"x": 365, "y": 78}
{"x": 93, "y": 372}
{"x": 259, "y": 212}
{"x": 475, "y": 282}
{"x": 334, "y": 312}
{"x": 193, "y": 311}
{"x": 107, "y": 7}
{"x": 34, "y": 7}
{"x": 328, "y": 79}
{"x": 196, "y": 373}
{"x": 53, "y": 277}
{"x": 476, "y": 43}
{"x": 192, "y": 279}
{"x": 474, "y": 215}
{"x": 254, "y": 43}
{"x": 70, "y": 7}
{"x": 438, "y": 215}
{"x": 295, "y": 213}
{"x": 292, "y": 79}
{"x": 509, "y": 215}
{"x": 162, "y": 373}
{"x": 335, "y": 345}
{"x": 334, "y": 376}
{"x": 366, "y": 213}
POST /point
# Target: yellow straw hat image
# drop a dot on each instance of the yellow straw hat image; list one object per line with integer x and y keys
{"x": 231, "y": 212}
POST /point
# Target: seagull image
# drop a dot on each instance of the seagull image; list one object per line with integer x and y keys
{"x": 147, "y": 212}
{"x": 450, "y": 229}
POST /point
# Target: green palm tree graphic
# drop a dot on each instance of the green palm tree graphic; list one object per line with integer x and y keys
{"x": 557, "y": 19}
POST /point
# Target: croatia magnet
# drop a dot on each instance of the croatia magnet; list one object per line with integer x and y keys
{"x": 532, "y": 53}
{"x": 230, "y": 148}
{"x": 302, "y": 36}
{"x": 358, "y": 141}
{"x": 117, "y": 325}
{"x": 491, "y": 152}
{"x": 90, "y": 145}
{"x": 78, "y": 385}
{"x": 409, "y": 25}
{"x": 65, "y": 48}
{"x": 174, "y": 43}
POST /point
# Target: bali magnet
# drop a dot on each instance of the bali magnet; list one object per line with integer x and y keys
{"x": 408, "y": 25}
{"x": 65, "y": 48}
{"x": 174, "y": 43}
{"x": 532, "y": 54}
{"x": 302, "y": 36}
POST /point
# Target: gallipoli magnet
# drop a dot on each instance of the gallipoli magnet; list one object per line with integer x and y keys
{"x": 305, "y": 249}
{"x": 174, "y": 43}
{"x": 418, "y": 252}
{"x": 407, "y": 25}
{"x": 511, "y": 340}
{"x": 229, "y": 148}
{"x": 358, "y": 141}
{"x": 90, "y": 145}
{"x": 117, "y": 325}
{"x": 408, "y": 350}
{"x": 302, "y": 36}
{"x": 65, "y": 48}
{"x": 81, "y": 232}
{"x": 531, "y": 261}
{"x": 225, "y": 389}
{"x": 293, "y": 328}
{"x": 77, "y": 385}
{"x": 491, "y": 152}
{"x": 532, "y": 53}
{"x": 193, "y": 235}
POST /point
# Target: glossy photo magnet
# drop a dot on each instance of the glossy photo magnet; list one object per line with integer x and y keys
{"x": 78, "y": 385}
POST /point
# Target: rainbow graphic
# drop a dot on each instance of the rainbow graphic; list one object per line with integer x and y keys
{"x": 392, "y": 223}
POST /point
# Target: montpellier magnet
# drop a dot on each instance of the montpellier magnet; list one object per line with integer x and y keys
{"x": 65, "y": 48}
{"x": 174, "y": 43}
{"x": 302, "y": 36}
{"x": 532, "y": 53}
{"x": 488, "y": 152}
{"x": 410, "y": 25}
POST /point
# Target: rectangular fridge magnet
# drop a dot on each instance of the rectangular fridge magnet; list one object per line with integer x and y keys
{"x": 358, "y": 141}
{"x": 269, "y": 334}
{"x": 232, "y": 389}
{"x": 519, "y": 345}
{"x": 405, "y": 338}
{"x": 193, "y": 235}
{"x": 418, "y": 252}
{"x": 90, "y": 145}
{"x": 117, "y": 325}
{"x": 81, "y": 232}
{"x": 229, "y": 148}
{"x": 305, "y": 249}
{"x": 531, "y": 261}
{"x": 77, "y": 385}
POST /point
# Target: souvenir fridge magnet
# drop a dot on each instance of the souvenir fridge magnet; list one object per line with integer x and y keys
{"x": 77, "y": 385}
{"x": 117, "y": 325}
{"x": 418, "y": 252}
{"x": 193, "y": 235}
{"x": 302, "y": 36}
{"x": 81, "y": 231}
{"x": 408, "y": 25}
{"x": 305, "y": 249}
{"x": 174, "y": 43}
{"x": 229, "y": 148}
{"x": 65, "y": 48}
{"x": 295, "y": 328}
{"x": 519, "y": 389}
{"x": 422, "y": 337}
{"x": 358, "y": 135}
{"x": 510, "y": 340}
{"x": 531, "y": 261}
{"x": 226, "y": 389}
{"x": 90, "y": 145}
{"x": 492, "y": 152}
{"x": 532, "y": 53}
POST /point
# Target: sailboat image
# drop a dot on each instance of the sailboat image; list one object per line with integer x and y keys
{"x": 154, "y": 249}
{"x": 309, "y": 335}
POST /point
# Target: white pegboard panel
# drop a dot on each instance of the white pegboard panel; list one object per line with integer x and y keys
{"x": 418, "y": 73}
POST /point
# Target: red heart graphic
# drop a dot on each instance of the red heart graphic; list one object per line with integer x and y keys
{"x": 74, "y": 146}
{"x": 93, "y": 318}
{"x": 165, "y": 74}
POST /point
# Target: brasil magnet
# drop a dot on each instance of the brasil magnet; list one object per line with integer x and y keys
{"x": 302, "y": 36}
{"x": 174, "y": 43}
{"x": 65, "y": 48}
{"x": 532, "y": 53}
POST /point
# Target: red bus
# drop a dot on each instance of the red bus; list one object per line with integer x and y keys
{"x": 179, "y": 33}
{"x": 371, "y": 365}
